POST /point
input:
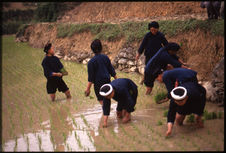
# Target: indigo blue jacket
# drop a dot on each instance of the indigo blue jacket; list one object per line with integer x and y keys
{"x": 100, "y": 68}
{"x": 195, "y": 103}
{"x": 156, "y": 63}
{"x": 124, "y": 90}
{"x": 178, "y": 74}
{"x": 152, "y": 43}
{"x": 51, "y": 64}
{"x": 196, "y": 93}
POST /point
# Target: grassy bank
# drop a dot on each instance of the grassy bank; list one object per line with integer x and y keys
{"x": 134, "y": 31}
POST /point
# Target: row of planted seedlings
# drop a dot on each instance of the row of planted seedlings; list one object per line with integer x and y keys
{"x": 15, "y": 99}
{"x": 78, "y": 84}
{"x": 190, "y": 119}
{"x": 160, "y": 93}
{"x": 22, "y": 96}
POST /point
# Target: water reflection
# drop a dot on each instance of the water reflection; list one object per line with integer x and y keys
{"x": 30, "y": 142}
{"x": 59, "y": 126}
{"x": 64, "y": 133}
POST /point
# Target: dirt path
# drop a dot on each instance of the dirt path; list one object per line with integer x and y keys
{"x": 31, "y": 122}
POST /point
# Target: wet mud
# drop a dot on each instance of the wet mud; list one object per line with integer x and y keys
{"x": 83, "y": 131}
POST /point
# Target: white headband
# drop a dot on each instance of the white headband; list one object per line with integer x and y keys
{"x": 107, "y": 93}
{"x": 177, "y": 97}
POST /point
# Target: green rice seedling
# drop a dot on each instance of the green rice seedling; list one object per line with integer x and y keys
{"x": 205, "y": 114}
{"x": 90, "y": 138}
{"x": 39, "y": 142}
{"x": 188, "y": 139}
{"x": 91, "y": 97}
{"x": 194, "y": 144}
{"x": 78, "y": 140}
{"x": 27, "y": 140}
{"x": 220, "y": 114}
{"x": 107, "y": 141}
{"x": 208, "y": 132}
{"x": 84, "y": 120}
{"x": 160, "y": 96}
{"x": 158, "y": 133}
{"x": 15, "y": 147}
{"x": 75, "y": 107}
{"x": 21, "y": 123}
{"x": 136, "y": 129}
{"x": 68, "y": 148}
{"x": 159, "y": 123}
{"x": 203, "y": 120}
{"x": 12, "y": 127}
{"x": 74, "y": 123}
{"x": 218, "y": 149}
{"x": 214, "y": 145}
{"x": 165, "y": 113}
{"x": 214, "y": 115}
{"x": 148, "y": 126}
{"x": 52, "y": 140}
{"x": 128, "y": 135}
{"x": 191, "y": 118}
{"x": 65, "y": 137}
{"x": 209, "y": 116}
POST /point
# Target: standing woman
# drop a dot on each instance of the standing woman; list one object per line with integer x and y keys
{"x": 152, "y": 42}
{"x": 100, "y": 70}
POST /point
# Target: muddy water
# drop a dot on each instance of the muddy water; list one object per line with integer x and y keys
{"x": 82, "y": 131}
{"x": 79, "y": 138}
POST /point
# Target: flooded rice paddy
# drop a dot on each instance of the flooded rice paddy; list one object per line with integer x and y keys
{"x": 31, "y": 122}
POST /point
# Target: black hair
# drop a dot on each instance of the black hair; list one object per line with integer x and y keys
{"x": 179, "y": 92}
{"x": 47, "y": 47}
{"x": 105, "y": 89}
{"x": 96, "y": 46}
{"x": 172, "y": 46}
{"x": 153, "y": 24}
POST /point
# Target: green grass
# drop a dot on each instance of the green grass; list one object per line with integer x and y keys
{"x": 135, "y": 31}
{"x": 191, "y": 118}
{"x": 173, "y": 27}
{"x": 165, "y": 113}
{"x": 106, "y": 31}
